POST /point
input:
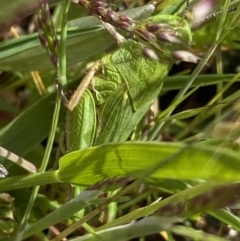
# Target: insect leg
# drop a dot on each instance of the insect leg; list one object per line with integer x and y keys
{"x": 83, "y": 86}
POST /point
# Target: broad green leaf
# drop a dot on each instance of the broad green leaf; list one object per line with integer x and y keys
{"x": 133, "y": 159}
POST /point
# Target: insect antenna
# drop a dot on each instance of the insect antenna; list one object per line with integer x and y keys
{"x": 184, "y": 15}
{"x": 214, "y": 15}
{"x": 197, "y": 23}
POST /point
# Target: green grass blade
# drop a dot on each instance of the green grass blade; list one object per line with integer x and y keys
{"x": 226, "y": 217}
{"x": 200, "y": 198}
{"x": 194, "y": 234}
{"x": 176, "y": 81}
{"x": 17, "y": 182}
{"x": 62, "y": 213}
{"x": 140, "y": 228}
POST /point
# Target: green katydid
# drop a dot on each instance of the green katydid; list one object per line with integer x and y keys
{"x": 125, "y": 83}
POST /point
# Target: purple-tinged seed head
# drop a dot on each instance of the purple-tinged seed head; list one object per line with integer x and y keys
{"x": 149, "y": 53}
{"x": 198, "y": 202}
{"x": 124, "y": 18}
{"x": 40, "y": 22}
{"x": 100, "y": 11}
{"x": 185, "y": 56}
{"x": 125, "y": 26}
{"x": 153, "y": 27}
{"x": 144, "y": 34}
{"x": 56, "y": 46}
{"x": 111, "y": 182}
{"x": 178, "y": 209}
{"x": 51, "y": 27}
{"x": 168, "y": 38}
{"x": 166, "y": 210}
{"x": 95, "y": 4}
{"x": 82, "y": 2}
{"x": 42, "y": 39}
{"x": 49, "y": 41}
{"x": 112, "y": 16}
{"x": 47, "y": 11}
{"x": 54, "y": 60}
{"x": 170, "y": 210}
{"x": 42, "y": 18}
